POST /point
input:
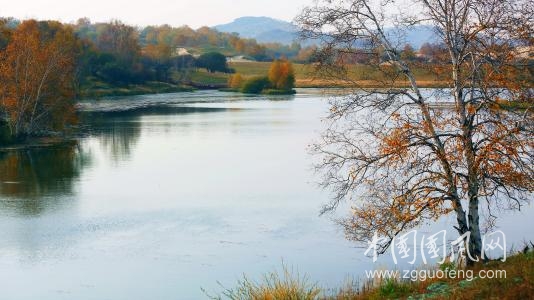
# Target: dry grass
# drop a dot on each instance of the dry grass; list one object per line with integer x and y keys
{"x": 518, "y": 284}
{"x": 323, "y": 83}
{"x": 289, "y": 286}
{"x": 361, "y": 75}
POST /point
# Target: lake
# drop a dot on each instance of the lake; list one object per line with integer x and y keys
{"x": 180, "y": 191}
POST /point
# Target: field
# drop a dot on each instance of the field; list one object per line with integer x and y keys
{"x": 306, "y": 77}
{"x": 361, "y": 75}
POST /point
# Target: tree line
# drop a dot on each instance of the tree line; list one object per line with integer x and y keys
{"x": 44, "y": 65}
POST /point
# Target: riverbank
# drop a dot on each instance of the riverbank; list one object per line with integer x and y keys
{"x": 359, "y": 75}
{"x": 95, "y": 89}
{"x": 49, "y": 139}
{"x": 160, "y": 88}
{"x": 512, "y": 279}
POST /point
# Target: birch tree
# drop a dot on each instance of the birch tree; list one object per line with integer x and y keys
{"x": 36, "y": 74}
{"x": 404, "y": 156}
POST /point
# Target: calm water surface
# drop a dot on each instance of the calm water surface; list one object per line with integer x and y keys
{"x": 175, "y": 194}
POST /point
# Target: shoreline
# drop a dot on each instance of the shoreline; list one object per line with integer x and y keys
{"x": 148, "y": 88}
{"x": 304, "y": 84}
{"x": 38, "y": 142}
{"x": 75, "y": 132}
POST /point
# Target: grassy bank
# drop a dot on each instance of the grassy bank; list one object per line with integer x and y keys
{"x": 518, "y": 283}
{"x": 97, "y": 89}
{"x": 358, "y": 75}
{"x": 361, "y": 75}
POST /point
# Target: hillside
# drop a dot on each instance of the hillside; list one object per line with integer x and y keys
{"x": 415, "y": 36}
{"x": 269, "y": 30}
{"x": 263, "y": 29}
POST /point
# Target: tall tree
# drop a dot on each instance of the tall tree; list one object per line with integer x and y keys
{"x": 120, "y": 40}
{"x": 36, "y": 71}
{"x": 405, "y": 159}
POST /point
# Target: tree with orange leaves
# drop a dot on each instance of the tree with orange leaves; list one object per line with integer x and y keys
{"x": 235, "y": 81}
{"x": 36, "y": 71}
{"x": 281, "y": 75}
{"x": 406, "y": 156}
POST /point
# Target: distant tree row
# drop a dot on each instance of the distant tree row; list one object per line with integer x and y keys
{"x": 45, "y": 64}
{"x": 163, "y": 41}
{"x": 121, "y": 54}
{"x": 428, "y": 53}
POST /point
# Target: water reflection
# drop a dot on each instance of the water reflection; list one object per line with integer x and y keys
{"x": 118, "y": 131}
{"x": 32, "y": 179}
{"x": 118, "y": 134}
{"x": 37, "y": 179}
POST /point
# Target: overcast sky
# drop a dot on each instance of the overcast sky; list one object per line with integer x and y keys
{"x": 194, "y": 13}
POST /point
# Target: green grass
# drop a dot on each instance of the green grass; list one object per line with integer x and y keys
{"x": 201, "y": 50}
{"x": 94, "y": 88}
{"x": 250, "y": 69}
{"x": 205, "y": 77}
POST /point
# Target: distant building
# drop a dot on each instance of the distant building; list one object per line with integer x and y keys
{"x": 239, "y": 58}
{"x": 181, "y": 52}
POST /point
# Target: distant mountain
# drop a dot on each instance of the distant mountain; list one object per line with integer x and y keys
{"x": 277, "y": 36}
{"x": 269, "y": 30}
{"x": 263, "y": 29}
{"x": 415, "y": 36}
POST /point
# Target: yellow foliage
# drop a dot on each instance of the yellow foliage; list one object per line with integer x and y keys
{"x": 36, "y": 71}
{"x": 235, "y": 81}
{"x": 395, "y": 142}
{"x": 282, "y": 75}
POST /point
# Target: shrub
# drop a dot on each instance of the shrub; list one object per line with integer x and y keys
{"x": 235, "y": 81}
{"x": 282, "y": 75}
{"x": 255, "y": 85}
